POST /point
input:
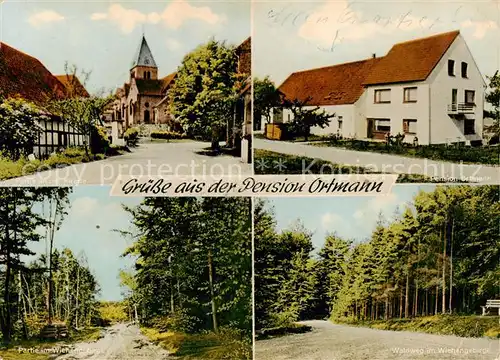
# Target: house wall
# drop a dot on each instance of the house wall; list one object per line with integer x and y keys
{"x": 397, "y": 110}
{"x": 348, "y": 113}
{"x": 141, "y": 108}
{"x": 57, "y": 134}
{"x": 445, "y": 128}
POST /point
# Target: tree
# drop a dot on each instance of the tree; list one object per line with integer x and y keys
{"x": 19, "y": 127}
{"x": 266, "y": 97}
{"x": 204, "y": 92}
{"x": 84, "y": 113}
{"x": 304, "y": 118}
{"x": 493, "y": 98}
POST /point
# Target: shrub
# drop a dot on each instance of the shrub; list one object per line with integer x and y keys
{"x": 99, "y": 141}
{"x": 180, "y": 321}
{"x": 131, "y": 136}
{"x": 19, "y": 129}
{"x": 167, "y": 135}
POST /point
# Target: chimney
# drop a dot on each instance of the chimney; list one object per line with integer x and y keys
{"x": 374, "y": 55}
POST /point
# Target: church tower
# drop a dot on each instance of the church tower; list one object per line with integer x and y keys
{"x": 144, "y": 65}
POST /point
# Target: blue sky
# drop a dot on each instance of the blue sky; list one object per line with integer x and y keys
{"x": 293, "y": 36}
{"x": 350, "y": 217}
{"x": 102, "y": 37}
{"x": 88, "y": 228}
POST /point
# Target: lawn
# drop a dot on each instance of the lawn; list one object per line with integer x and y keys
{"x": 464, "y": 326}
{"x": 454, "y": 153}
{"x": 269, "y": 162}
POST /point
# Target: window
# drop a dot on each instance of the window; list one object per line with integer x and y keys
{"x": 340, "y": 122}
{"x": 464, "y": 69}
{"x": 469, "y": 127}
{"x": 451, "y": 67}
{"x": 382, "y": 96}
{"x": 410, "y": 94}
{"x": 145, "y": 75}
{"x": 383, "y": 125}
{"x": 469, "y": 96}
{"x": 131, "y": 106}
{"x": 410, "y": 126}
{"x": 146, "y": 104}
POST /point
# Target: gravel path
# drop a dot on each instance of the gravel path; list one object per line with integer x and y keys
{"x": 120, "y": 342}
{"x": 328, "y": 341}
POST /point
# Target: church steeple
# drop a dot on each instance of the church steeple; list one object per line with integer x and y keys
{"x": 144, "y": 65}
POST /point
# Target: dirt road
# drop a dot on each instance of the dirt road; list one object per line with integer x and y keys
{"x": 328, "y": 341}
{"x": 121, "y": 341}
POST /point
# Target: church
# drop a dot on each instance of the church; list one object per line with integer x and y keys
{"x": 144, "y": 99}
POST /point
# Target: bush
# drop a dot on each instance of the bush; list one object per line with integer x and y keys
{"x": 167, "y": 135}
{"x": 180, "y": 321}
{"x": 99, "y": 141}
{"x": 131, "y": 136}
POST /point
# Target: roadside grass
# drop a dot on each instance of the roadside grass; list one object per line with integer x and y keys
{"x": 454, "y": 153}
{"x": 463, "y": 326}
{"x": 270, "y": 162}
{"x": 227, "y": 344}
{"x": 37, "y": 349}
{"x": 70, "y": 156}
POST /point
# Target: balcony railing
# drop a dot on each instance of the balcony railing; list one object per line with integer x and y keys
{"x": 461, "y": 108}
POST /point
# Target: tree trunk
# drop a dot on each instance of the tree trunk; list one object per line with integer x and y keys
{"x": 212, "y": 295}
{"x": 215, "y": 139}
{"x": 407, "y": 294}
{"x": 437, "y": 300}
{"x": 172, "y": 305}
{"x": 415, "y": 307}
{"x": 401, "y": 302}
{"x": 451, "y": 268}
{"x": 443, "y": 304}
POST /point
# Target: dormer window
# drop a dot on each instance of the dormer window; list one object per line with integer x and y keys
{"x": 464, "y": 69}
{"x": 451, "y": 67}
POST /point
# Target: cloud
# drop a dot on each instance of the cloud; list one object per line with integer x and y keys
{"x": 329, "y": 220}
{"x": 481, "y": 27}
{"x": 90, "y": 207}
{"x": 173, "y": 44}
{"x": 173, "y": 16}
{"x": 45, "y": 17}
{"x": 369, "y": 213}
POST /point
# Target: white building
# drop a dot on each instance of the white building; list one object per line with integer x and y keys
{"x": 429, "y": 88}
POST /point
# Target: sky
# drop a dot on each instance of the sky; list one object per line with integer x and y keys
{"x": 290, "y": 36}
{"x": 88, "y": 229}
{"x": 102, "y": 37}
{"x": 348, "y": 216}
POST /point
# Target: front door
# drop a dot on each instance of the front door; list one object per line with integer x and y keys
{"x": 369, "y": 128}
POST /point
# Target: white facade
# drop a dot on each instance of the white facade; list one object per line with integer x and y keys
{"x": 56, "y": 135}
{"x": 435, "y": 111}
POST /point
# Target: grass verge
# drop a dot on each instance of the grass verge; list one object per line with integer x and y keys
{"x": 463, "y": 326}
{"x": 282, "y": 331}
{"x": 269, "y": 162}
{"x": 36, "y": 349}
{"x": 441, "y": 152}
{"x": 70, "y": 156}
{"x": 227, "y": 344}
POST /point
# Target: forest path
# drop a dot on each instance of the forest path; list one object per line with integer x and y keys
{"x": 121, "y": 341}
{"x": 328, "y": 341}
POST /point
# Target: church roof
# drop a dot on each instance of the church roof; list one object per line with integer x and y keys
{"x": 143, "y": 56}
{"x": 149, "y": 86}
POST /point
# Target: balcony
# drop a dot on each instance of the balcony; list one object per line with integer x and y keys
{"x": 460, "y": 108}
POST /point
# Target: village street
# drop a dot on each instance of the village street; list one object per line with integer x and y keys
{"x": 484, "y": 174}
{"x": 328, "y": 341}
{"x": 150, "y": 158}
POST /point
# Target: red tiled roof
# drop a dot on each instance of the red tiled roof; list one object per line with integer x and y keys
{"x": 73, "y": 84}
{"x": 23, "y": 75}
{"x": 411, "y": 60}
{"x": 332, "y": 85}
